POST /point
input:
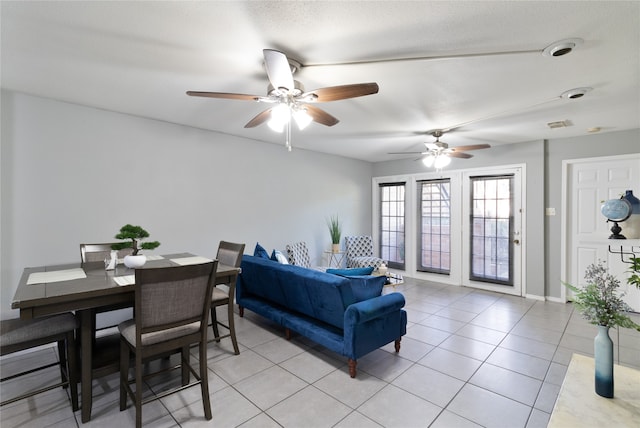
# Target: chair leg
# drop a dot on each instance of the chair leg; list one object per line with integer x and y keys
{"x": 72, "y": 370}
{"x": 186, "y": 374}
{"x": 62, "y": 357}
{"x": 214, "y": 324}
{"x": 232, "y": 328}
{"x": 124, "y": 373}
{"x": 138, "y": 390}
{"x": 204, "y": 380}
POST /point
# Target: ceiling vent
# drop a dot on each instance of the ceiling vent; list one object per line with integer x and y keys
{"x": 559, "y": 124}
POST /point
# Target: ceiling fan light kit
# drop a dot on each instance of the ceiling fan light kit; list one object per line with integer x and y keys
{"x": 438, "y": 161}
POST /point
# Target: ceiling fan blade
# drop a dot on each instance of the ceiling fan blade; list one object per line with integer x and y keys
{"x": 321, "y": 116}
{"x": 335, "y": 93}
{"x": 432, "y": 146}
{"x": 259, "y": 119}
{"x": 407, "y": 153}
{"x": 230, "y": 96}
{"x": 461, "y": 155}
{"x": 471, "y": 147}
{"x": 278, "y": 69}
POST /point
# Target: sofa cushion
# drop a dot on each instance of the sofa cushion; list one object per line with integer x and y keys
{"x": 352, "y": 272}
{"x": 259, "y": 251}
{"x": 365, "y": 287}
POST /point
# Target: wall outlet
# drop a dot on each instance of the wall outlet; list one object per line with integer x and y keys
{"x": 550, "y": 211}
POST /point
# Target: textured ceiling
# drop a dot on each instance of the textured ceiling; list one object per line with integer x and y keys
{"x": 140, "y": 57}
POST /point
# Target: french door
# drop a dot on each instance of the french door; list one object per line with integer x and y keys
{"x": 491, "y": 232}
{"x": 458, "y": 227}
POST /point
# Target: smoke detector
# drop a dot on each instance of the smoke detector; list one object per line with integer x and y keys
{"x": 576, "y": 93}
{"x": 561, "y": 47}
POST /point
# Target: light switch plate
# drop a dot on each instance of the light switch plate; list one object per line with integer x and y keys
{"x": 550, "y": 211}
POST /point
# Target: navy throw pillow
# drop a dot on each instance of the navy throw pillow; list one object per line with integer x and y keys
{"x": 260, "y": 252}
{"x": 352, "y": 271}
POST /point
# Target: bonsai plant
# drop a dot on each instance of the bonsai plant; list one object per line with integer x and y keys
{"x": 134, "y": 236}
{"x": 600, "y": 303}
{"x": 335, "y": 230}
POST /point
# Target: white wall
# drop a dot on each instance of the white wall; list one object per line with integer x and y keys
{"x": 72, "y": 174}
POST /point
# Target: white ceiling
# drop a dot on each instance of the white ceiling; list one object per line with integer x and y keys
{"x": 140, "y": 57}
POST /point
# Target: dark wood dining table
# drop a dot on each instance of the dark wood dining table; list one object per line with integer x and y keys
{"x": 85, "y": 296}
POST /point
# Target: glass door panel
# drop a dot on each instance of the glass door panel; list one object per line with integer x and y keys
{"x": 492, "y": 225}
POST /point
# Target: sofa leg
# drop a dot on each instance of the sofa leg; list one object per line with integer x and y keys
{"x": 352, "y": 368}
{"x": 397, "y": 344}
{"x": 241, "y": 311}
{"x": 287, "y": 334}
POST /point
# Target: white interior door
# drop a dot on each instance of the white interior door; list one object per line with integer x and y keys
{"x": 589, "y": 183}
{"x": 492, "y": 235}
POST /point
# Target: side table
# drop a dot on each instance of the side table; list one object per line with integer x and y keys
{"x": 335, "y": 259}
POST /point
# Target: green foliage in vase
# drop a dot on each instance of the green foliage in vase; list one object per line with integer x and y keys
{"x": 634, "y": 278}
{"x": 599, "y": 302}
{"x": 335, "y": 229}
{"x": 134, "y": 235}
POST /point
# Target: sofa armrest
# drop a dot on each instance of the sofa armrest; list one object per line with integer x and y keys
{"x": 366, "y": 310}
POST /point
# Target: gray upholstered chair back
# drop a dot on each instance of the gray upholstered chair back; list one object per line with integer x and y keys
{"x": 171, "y": 297}
{"x": 298, "y": 254}
{"x": 230, "y": 253}
{"x": 98, "y": 252}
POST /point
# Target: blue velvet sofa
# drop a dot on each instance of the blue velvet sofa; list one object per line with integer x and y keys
{"x": 347, "y": 315}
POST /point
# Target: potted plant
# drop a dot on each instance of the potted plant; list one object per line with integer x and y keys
{"x": 601, "y": 304}
{"x": 335, "y": 230}
{"x": 634, "y": 272}
{"x": 134, "y": 236}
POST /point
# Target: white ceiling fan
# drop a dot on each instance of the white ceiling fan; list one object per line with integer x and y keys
{"x": 290, "y": 99}
{"x": 438, "y": 154}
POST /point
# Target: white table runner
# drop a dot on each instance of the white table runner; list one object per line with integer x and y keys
{"x": 195, "y": 260}
{"x": 55, "y": 276}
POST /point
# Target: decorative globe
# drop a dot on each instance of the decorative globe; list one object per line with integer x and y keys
{"x": 616, "y": 209}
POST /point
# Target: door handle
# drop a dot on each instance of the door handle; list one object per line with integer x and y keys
{"x": 516, "y": 241}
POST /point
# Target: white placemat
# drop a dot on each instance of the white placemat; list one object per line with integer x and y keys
{"x": 195, "y": 260}
{"x": 125, "y": 280}
{"x": 56, "y": 276}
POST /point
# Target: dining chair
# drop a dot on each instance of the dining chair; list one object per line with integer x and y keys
{"x": 19, "y": 335}
{"x": 93, "y": 253}
{"x": 105, "y": 318}
{"x": 229, "y": 253}
{"x": 298, "y": 254}
{"x": 171, "y": 312}
{"x": 359, "y": 251}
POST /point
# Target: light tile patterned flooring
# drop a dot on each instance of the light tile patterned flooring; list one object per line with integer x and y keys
{"x": 470, "y": 358}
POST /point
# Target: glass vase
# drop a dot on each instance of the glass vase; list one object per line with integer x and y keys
{"x": 603, "y": 356}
